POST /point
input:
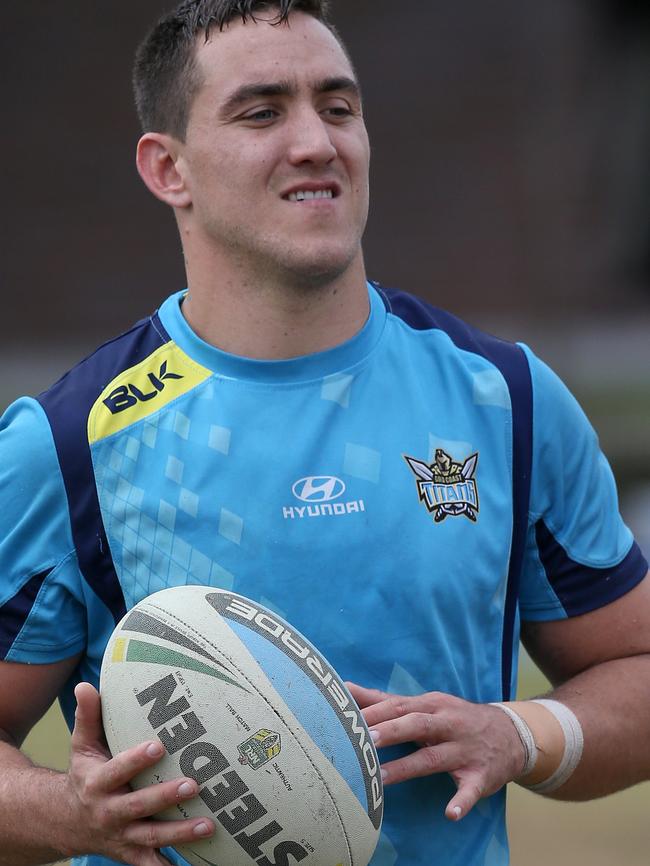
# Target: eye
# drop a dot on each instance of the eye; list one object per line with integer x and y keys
{"x": 338, "y": 109}
{"x": 261, "y": 115}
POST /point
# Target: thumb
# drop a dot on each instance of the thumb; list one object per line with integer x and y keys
{"x": 88, "y": 729}
{"x": 467, "y": 796}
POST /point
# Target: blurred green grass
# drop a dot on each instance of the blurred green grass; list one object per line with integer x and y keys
{"x": 609, "y": 832}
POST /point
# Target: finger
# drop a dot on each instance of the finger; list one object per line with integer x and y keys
{"x": 143, "y": 857}
{"x": 415, "y": 727}
{"x": 161, "y": 834}
{"x": 151, "y": 800}
{"x": 146, "y": 857}
{"x": 395, "y": 707}
{"x": 88, "y": 733}
{"x": 424, "y": 762}
{"x": 119, "y": 771}
{"x": 470, "y": 791}
{"x": 366, "y": 697}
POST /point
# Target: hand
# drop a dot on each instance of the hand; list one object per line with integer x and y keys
{"x": 477, "y": 744}
{"x": 107, "y": 817}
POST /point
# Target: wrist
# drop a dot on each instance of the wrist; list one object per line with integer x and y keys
{"x": 33, "y": 824}
{"x": 552, "y": 739}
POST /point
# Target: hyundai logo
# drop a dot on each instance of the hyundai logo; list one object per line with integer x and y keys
{"x": 318, "y": 488}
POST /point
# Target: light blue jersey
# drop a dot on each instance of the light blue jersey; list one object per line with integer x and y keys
{"x": 402, "y": 499}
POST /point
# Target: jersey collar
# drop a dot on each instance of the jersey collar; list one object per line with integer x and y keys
{"x": 300, "y": 369}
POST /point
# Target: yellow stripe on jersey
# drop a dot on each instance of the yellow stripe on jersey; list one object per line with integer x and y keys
{"x": 140, "y": 391}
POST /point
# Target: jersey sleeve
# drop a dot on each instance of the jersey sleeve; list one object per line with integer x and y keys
{"x": 579, "y": 554}
{"x": 42, "y": 615}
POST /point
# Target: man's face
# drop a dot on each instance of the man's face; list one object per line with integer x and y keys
{"x": 276, "y": 152}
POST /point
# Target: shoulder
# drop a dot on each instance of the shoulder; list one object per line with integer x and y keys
{"x": 77, "y": 390}
{"x": 97, "y": 386}
{"x": 32, "y": 429}
{"x": 29, "y": 471}
{"x": 28, "y": 462}
{"x": 23, "y": 426}
{"x": 493, "y": 360}
{"x": 418, "y": 315}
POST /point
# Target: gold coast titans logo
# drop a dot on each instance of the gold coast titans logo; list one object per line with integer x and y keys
{"x": 447, "y": 488}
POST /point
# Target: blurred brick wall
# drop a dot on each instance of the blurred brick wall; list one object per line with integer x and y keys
{"x": 510, "y": 168}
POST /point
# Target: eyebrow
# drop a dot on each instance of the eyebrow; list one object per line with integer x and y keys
{"x": 286, "y": 88}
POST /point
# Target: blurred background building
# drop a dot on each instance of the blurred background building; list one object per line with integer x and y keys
{"x": 511, "y": 175}
{"x": 510, "y": 182}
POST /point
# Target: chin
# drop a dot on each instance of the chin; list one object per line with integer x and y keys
{"x": 315, "y": 277}
{"x": 322, "y": 268}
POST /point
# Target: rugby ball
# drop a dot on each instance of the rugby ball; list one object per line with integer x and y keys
{"x": 246, "y": 706}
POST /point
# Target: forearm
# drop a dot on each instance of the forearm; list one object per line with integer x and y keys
{"x": 34, "y": 817}
{"x": 612, "y": 703}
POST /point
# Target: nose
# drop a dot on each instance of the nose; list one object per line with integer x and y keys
{"x": 311, "y": 139}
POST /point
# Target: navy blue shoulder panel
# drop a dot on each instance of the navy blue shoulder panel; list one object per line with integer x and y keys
{"x": 15, "y": 612}
{"x": 580, "y": 588}
{"x": 511, "y": 361}
{"x": 67, "y": 405}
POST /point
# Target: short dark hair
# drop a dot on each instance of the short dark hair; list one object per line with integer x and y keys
{"x": 165, "y": 74}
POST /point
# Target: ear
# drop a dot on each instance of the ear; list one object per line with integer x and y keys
{"x": 156, "y": 159}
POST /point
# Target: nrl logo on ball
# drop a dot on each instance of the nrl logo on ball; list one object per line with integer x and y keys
{"x": 259, "y": 749}
{"x": 446, "y": 487}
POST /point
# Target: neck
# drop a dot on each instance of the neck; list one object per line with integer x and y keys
{"x": 264, "y": 319}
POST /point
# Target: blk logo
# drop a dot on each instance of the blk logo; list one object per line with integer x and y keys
{"x": 318, "y": 488}
{"x": 127, "y": 396}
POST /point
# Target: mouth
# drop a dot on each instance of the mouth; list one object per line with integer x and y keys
{"x": 311, "y": 193}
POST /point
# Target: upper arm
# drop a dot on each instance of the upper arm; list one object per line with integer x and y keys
{"x": 26, "y": 692}
{"x": 579, "y": 554}
{"x": 42, "y": 610}
{"x": 564, "y": 648}
{"x": 583, "y": 595}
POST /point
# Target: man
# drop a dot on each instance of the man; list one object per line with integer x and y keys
{"x": 404, "y": 488}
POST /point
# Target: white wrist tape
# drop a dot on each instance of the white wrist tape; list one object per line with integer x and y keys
{"x": 573, "y": 745}
{"x": 526, "y": 737}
